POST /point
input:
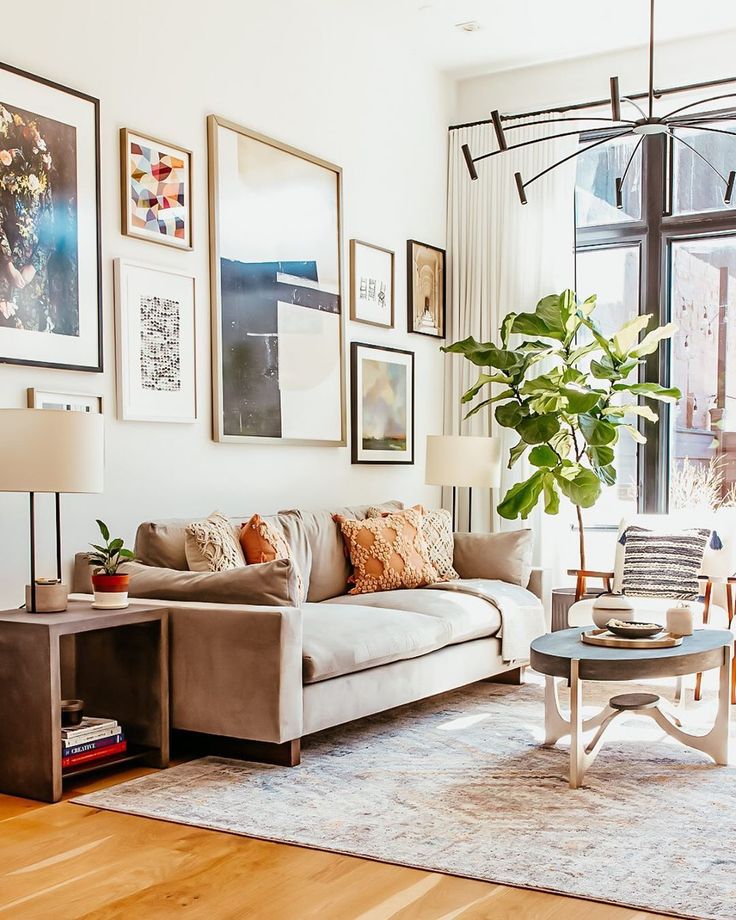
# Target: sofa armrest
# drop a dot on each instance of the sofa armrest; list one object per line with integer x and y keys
{"x": 540, "y": 584}
{"x": 236, "y": 670}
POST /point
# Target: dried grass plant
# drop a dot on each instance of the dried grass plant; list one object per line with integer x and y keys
{"x": 699, "y": 486}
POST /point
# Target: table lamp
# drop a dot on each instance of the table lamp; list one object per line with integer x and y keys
{"x": 463, "y": 461}
{"x": 47, "y": 450}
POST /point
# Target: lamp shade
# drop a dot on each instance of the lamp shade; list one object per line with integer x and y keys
{"x": 47, "y": 450}
{"x": 455, "y": 460}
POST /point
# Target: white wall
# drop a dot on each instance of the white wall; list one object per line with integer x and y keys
{"x": 586, "y": 78}
{"x": 317, "y": 74}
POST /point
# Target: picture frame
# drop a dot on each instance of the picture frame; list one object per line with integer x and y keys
{"x": 50, "y": 246}
{"x": 156, "y": 347}
{"x": 372, "y": 287}
{"x": 276, "y": 291}
{"x": 155, "y": 190}
{"x": 382, "y": 404}
{"x": 41, "y": 398}
{"x": 426, "y": 289}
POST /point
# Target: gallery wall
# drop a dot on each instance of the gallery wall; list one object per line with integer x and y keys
{"x": 319, "y": 76}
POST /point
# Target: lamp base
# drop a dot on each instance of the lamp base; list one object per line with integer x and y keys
{"x": 49, "y": 598}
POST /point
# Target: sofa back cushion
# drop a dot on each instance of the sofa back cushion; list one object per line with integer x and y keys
{"x": 503, "y": 556}
{"x": 317, "y": 533}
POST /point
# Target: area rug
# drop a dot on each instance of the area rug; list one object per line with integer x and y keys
{"x": 459, "y": 784}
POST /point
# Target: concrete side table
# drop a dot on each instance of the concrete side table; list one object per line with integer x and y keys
{"x": 562, "y": 601}
{"x": 120, "y": 670}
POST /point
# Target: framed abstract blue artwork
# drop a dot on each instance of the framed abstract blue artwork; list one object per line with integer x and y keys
{"x": 277, "y": 311}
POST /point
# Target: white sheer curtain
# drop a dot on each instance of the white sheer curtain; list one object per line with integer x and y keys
{"x": 503, "y": 256}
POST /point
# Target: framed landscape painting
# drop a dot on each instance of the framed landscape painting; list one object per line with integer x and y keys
{"x": 382, "y": 387}
{"x": 50, "y": 293}
{"x": 156, "y": 190}
{"x": 156, "y": 347}
{"x": 371, "y": 284}
{"x": 425, "y": 276}
{"x": 277, "y": 321}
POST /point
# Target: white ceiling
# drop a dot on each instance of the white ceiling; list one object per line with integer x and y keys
{"x": 516, "y": 33}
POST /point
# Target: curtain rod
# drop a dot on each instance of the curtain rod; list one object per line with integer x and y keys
{"x": 599, "y": 102}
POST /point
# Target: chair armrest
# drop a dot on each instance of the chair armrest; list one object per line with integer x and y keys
{"x": 590, "y": 573}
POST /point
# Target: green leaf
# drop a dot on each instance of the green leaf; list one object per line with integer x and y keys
{"x": 561, "y": 443}
{"x": 580, "y": 399}
{"x": 596, "y": 431}
{"x": 604, "y": 369}
{"x": 588, "y": 305}
{"x": 536, "y": 429}
{"x": 483, "y": 354}
{"x": 628, "y": 335}
{"x": 521, "y": 499}
{"x": 543, "y": 455}
{"x": 115, "y": 545}
{"x": 510, "y": 414}
{"x": 591, "y": 325}
{"x": 600, "y": 456}
{"x": 516, "y": 453}
{"x": 506, "y": 326}
{"x": 650, "y": 390}
{"x": 635, "y": 433}
{"x": 551, "y": 495}
{"x": 650, "y": 343}
{"x": 642, "y": 411}
{"x": 577, "y": 353}
{"x": 606, "y": 474}
{"x": 127, "y": 554}
{"x": 582, "y": 490}
{"x": 103, "y": 530}
{"x": 482, "y": 381}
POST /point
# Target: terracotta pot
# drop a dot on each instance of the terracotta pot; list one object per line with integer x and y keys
{"x": 111, "y": 590}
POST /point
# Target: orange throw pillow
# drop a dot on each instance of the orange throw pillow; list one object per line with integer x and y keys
{"x": 388, "y": 553}
{"x": 262, "y": 542}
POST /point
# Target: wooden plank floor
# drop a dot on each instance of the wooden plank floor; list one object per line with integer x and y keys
{"x": 66, "y": 861}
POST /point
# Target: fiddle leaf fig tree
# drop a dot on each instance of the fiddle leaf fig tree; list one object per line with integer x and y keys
{"x": 570, "y": 416}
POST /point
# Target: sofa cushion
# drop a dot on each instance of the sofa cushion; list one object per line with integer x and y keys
{"x": 504, "y": 556}
{"x": 467, "y": 617}
{"x": 212, "y": 545}
{"x": 340, "y": 639}
{"x": 330, "y": 568}
{"x": 269, "y": 584}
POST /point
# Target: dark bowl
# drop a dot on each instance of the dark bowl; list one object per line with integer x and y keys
{"x": 72, "y": 712}
{"x": 635, "y": 630}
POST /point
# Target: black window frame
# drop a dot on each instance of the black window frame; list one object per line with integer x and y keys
{"x": 655, "y": 232}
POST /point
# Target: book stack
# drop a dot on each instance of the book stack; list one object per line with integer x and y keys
{"x": 92, "y": 740}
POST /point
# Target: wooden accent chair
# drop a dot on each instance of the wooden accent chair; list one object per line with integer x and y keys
{"x": 715, "y": 607}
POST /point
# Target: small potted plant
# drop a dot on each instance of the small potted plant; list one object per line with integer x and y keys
{"x": 111, "y": 587}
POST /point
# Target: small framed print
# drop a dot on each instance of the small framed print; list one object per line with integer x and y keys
{"x": 425, "y": 275}
{"x": 371, "y": 284}
{"x": 156, "y": 180}
{"x": 156, "y": 347}
{"x": 68, "y": 402}
{"x": 382, "y": 387}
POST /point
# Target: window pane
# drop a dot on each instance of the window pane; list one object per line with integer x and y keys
{"x": 595, "y": 184}
{"x": 696, "y": 187}
{"x": 703, "y": 366}
{"x": 613, "y": 274}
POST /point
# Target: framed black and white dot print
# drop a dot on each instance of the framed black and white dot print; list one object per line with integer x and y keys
{"x": 156, "y": 348}
{"x": 277, "y": 310}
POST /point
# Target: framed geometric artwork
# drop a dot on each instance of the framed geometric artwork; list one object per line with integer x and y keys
{"x": 382, "y": 388}
{"x": 50, "y": 292}
{"x": 156, "y": 189}
{"x": 277, "y": 315}
{"x": 425, "y": 276}
{"x": 156, "y": 345}
{"x": 69, "y": 402}
{"x": 371, "y": 284}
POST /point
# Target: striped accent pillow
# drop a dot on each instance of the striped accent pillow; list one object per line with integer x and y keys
{"x": 659, "y": 564}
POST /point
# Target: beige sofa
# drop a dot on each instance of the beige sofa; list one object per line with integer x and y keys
{"x": 270, "y": 675}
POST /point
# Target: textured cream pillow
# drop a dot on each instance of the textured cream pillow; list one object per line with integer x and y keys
{"x": 388, "y": 552}
{"x": 437, "y": 533}
{"x": 212, "y": 545}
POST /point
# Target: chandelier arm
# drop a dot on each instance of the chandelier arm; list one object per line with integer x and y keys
{"x": 615, "y": 121}
{"x": 691, "y": 105}
{"x": 682, "y": 124}
{"x": 635, "y": 104}
{"x": 704, "y": 159}
{"x": 637, "y": 145}
{"x": 571, "y": 156}
{"x": 651, "y": 58}
{"x": 549, "y": 137}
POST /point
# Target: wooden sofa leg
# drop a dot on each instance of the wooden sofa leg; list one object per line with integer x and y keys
{"x": 199, "y": 744}
{"x": 515, "y": 677}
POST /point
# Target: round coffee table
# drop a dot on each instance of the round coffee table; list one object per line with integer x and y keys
{"x": 562, "y": 654}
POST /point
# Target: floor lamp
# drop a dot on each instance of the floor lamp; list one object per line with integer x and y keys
{"x": 463, "y": 461}
{"x": 50, "y": 450}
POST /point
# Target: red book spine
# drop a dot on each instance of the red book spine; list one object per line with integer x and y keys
{"x": 100, "y": 754}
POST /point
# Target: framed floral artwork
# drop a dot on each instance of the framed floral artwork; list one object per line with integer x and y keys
{"x": 50, "y": 256}
{"x": 425, "y": 276}
{"x": 156, "y": 346}
{"x": 382, "y": 388}
{"x": 371, "y": 284}
{"x": 156, "y": 188}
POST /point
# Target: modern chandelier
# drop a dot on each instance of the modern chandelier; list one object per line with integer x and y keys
{"x": 647, "y": 124}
